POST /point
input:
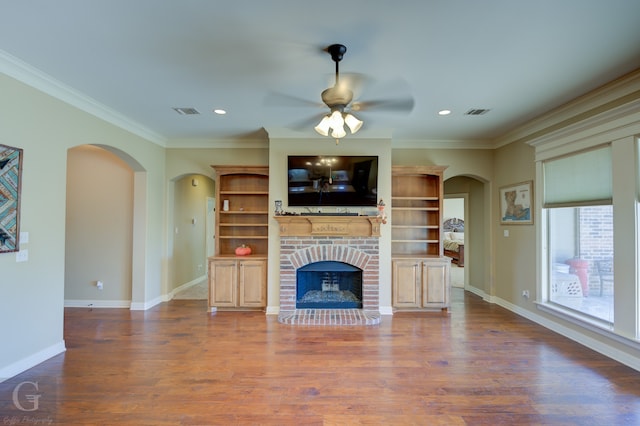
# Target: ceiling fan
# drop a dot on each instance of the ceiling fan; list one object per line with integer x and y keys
{"x": 339, "y": 100}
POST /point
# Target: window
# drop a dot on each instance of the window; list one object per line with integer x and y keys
{"x": 581, "y": 260}
{"x": 578, "y": 204}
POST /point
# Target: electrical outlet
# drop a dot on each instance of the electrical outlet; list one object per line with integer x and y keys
{"x": 525, "y": 294}
{"x": 100, "y": 285}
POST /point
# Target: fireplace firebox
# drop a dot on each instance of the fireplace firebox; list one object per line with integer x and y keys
{"x": 329, "y": 285}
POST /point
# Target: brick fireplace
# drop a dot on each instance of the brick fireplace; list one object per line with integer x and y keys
{"x": 310, "y": 240}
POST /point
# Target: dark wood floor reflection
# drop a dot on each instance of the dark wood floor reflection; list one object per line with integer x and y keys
{"x": 177, "y": 364}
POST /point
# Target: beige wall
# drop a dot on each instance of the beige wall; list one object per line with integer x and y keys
{"x": 181, "y": 161}
{"x": 99, "y": 224}
{"x": 188, "y": 259}
{"x": 476, "y": 163}
{"x": 31, "y": 306}
{"x": 515, "y": 255}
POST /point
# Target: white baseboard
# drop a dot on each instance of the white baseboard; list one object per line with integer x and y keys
{"x": 31, "y": 361}
{"x": 71, "y": 303}
{"x": 185, "y": 286}
{"x": 143, "y": 306}
{"x": 273, "y": 310}
{"x": 597, "y": 345}
{"x": 386, "y": 310}
{"x": 478, "y": 292}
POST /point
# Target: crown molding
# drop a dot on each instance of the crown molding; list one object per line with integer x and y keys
{"x": 441, "y": 144}
{"x": 203, "y": 143}
{"x": 613, "y": 94}
{"x": 25, "y": 73}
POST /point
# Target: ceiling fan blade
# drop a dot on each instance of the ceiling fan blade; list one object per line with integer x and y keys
{"x": 307, "y": 123}
{"x": 404, "y": 105}
{"x": 283, "y": 100}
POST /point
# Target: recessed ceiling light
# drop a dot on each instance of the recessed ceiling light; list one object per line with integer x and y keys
{"x": 444, "y": 112}
{"x": 220, "y": 111}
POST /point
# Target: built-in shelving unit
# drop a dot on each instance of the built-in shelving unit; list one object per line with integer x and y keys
{"x": 242, "y": 218}
{"x": 420, "y": 272}
{"x": 242, "y": 213}
{"x": 416, "y": 206}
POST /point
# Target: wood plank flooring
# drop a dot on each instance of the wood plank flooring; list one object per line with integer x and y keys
{"x": 177, "y": 364}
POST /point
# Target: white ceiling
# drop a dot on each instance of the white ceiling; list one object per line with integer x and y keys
{"x": 141, "y": 58}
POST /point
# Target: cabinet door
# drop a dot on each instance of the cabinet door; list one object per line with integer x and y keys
{"x": 435, "y": 276}
{"x": 406, "y": 283}
{"x": 253, "y": 283}
{"x": 223, "y": 276}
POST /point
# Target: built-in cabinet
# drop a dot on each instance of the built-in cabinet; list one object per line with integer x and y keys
{"x": 421, "y": 284}
{"x": 420, "y": 272}
{"x": 237, "y": 283}
{"x": 242, "y": 218}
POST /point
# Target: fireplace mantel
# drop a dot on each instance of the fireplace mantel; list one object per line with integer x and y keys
{"x": 344, "y": 226}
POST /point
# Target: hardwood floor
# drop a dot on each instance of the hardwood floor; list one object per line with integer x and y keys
{"x": 177, "y": 364}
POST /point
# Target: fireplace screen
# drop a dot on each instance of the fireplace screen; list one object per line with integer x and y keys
{"x": 329, "y": 285}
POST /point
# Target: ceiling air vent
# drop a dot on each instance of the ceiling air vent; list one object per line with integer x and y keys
{"x": 187, "y": 111}
{"x": 477, "y": 111}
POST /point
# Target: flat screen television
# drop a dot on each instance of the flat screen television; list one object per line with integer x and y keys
{"x": 332, "y": 180}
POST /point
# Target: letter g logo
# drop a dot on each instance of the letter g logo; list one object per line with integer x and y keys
{"x": 33, "y": 399}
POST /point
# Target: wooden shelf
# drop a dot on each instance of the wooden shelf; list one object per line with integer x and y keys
{"x": 240, "y": 225}
{"x": 416, "y": 226}
{"x": 416, "y": 206}
{"x": 352, "y": 226}
{"x": 246, "y": 189}
{"x": 244, "y": 237}
{"x": 226, "y": 212}
{"x": 414, "y": 198}
{"x": 244, "y": 193}
{"x": 426, "y": 209}
{"x": 416, "y": 241}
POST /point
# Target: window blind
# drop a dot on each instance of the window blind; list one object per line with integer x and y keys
{"x": 578, "y": 180}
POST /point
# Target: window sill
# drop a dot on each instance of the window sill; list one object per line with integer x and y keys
{"x": 603, "y": 328}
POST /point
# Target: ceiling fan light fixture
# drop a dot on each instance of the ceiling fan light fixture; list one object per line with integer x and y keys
{"x": 338, "y": 132}
{"x": 334, "y": 124}
{"x": 336, "y": 120}
{"x": 324, "y": 126}
{"x": 352, "y": 122}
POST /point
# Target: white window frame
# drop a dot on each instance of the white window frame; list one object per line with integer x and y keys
{"x": 620, "y": 127}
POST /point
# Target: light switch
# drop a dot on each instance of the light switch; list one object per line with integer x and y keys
{"x": 506, "y": 232}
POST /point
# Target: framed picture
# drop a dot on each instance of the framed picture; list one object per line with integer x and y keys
{"x": 516, "y": 204}
{"x": 10, "y": 176}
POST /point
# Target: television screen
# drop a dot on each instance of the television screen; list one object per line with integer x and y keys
{"x": 332, "y": 180}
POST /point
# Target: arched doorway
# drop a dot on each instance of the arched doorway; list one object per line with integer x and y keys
{"x": 105, "y": 228}
{"x": 476, "y": 195}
